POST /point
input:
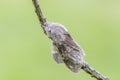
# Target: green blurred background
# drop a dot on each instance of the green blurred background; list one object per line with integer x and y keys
{"x": 25, "y": 52}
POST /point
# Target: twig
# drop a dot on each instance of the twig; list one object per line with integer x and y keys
{"x": 93, "y": 72}
{"x": 38, "y": 11}
{"x": 85, "y": 65}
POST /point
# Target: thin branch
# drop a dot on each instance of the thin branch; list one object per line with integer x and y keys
{"x": 93, "y": 72}
{"x": 42, "y": 19}
{"x": 85, "y": 66}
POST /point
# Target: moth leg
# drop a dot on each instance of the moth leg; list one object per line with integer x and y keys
{"x": 56, "y": 55}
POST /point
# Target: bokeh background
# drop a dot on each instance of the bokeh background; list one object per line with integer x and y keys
{"x": 25, "y": 52}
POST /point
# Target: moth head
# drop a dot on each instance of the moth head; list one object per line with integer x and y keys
{"x": 55, "y": 31}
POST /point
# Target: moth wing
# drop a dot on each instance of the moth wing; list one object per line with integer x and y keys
{"x": 74, "y": 68}
{"x": 58, "y": 58}
{"x": 73, "y": 44}
{"x": 75, "y": 56}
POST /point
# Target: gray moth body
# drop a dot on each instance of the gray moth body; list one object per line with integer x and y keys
{"x": 64, "y": 48}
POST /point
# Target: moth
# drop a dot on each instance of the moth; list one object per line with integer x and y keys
{"x": 64, "y": 48}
